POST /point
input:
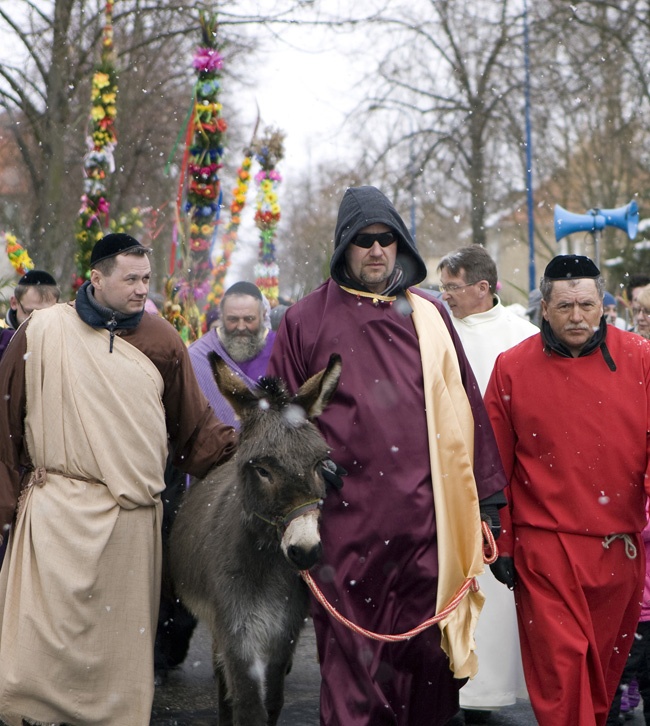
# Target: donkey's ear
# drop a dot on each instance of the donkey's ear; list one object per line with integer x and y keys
{"x": 315, "y": 393}
{"x": 234, "y": 390}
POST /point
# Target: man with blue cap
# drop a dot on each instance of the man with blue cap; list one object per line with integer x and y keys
{"x": 610, "y": 311}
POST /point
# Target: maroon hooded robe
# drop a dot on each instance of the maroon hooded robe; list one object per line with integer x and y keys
{"x": 380, "y": 561}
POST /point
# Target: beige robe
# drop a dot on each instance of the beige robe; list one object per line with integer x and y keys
{"x": 79, "y": 587}
{"x": 450, "y": 428}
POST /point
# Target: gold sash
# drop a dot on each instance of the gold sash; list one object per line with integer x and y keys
{"x": 450, "y": 425}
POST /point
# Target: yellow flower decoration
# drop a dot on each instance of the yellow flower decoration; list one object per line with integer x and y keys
{"x": 98, "y": 113}
{"x": 101, "y": 80}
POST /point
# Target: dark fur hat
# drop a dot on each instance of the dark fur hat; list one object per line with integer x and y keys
{"x": 37, "y": 277}
{"x": 244, "y": 288}
{"x": 112, "y": 244}
{"x": 570, "y": 267}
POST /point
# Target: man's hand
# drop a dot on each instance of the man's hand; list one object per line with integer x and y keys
{"x": 504, "y": 570}
{"x": 490, "y": 514}
{"x": 332, "y": 474}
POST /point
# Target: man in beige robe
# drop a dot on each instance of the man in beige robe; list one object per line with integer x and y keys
{"x": 93, "y": 396}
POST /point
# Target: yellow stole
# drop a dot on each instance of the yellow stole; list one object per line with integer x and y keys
{"x": 450, "y": 426}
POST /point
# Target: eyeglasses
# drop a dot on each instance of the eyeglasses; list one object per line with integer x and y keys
{"x": 367, "y": 240}
{"x": 455, "y": 288}
{"x": 25, "y": 312}
{"x": 639, "y": 311}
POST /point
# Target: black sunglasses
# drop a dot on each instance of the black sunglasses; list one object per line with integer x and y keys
{"x": 366, "y": 240}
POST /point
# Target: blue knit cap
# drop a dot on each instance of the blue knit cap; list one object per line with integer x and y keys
{"x": 609, "y": 299}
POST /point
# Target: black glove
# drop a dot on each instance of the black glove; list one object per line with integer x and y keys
{"x": 490, "y": 514}
{"x": 332, "y": 474}
{"x": 504, "y": 570}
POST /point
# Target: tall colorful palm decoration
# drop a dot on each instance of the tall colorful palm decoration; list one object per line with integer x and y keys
{"x": 17, "y": 254}
{"x": 199, "y": 196}
{"x": 98, "y": 163}
{"x": 230, "y": 232}
{"x": 269, "y": 151}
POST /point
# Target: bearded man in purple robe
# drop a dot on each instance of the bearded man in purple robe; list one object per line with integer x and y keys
{"x": 408, "y": 425}
{"x": 242, "y": 337}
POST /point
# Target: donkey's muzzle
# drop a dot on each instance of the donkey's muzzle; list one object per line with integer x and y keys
{"x": 301, "y": 543}
{"x": 303, "y": 558}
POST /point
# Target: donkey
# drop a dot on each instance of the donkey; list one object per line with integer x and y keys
{"x": 243, "y": 533}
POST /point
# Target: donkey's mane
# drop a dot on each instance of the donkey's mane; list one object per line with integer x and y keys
{"x": 274, "y": 390}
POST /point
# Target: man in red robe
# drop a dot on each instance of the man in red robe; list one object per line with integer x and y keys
{"x": 571, "y": 544}
{"x": 408, "y": 425}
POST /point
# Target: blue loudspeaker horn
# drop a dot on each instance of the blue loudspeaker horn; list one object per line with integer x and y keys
{"x": 625, "y": 218}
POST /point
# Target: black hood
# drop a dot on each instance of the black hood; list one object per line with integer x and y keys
{"x": 361, "y": 207}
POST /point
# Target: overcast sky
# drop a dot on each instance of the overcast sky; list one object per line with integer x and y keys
{"x": 307, "y": 84}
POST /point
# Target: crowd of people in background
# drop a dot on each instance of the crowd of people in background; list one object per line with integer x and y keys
{"x": 456, "y": 420}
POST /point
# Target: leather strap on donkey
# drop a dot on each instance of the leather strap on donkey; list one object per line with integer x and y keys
{"x": 281, "y": 522}
{"x": 490, "y": 554}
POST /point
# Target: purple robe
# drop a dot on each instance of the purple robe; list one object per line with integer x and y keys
{"x": 380, "y": 560}
{"x": 6, "y": 334}
{"x": 250, "y": 371}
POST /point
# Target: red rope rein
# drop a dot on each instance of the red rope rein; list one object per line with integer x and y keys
{"x": 490, "y": 553}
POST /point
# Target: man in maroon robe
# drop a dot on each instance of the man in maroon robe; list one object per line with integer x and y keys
{"x": 380, "y": 532}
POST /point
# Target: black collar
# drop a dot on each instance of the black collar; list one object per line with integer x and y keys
{"x": 552, "y": 343}
{"x": 97, "y": 316}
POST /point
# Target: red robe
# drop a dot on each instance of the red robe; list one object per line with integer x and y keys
{"x": 573, "y": 437}
{"x": 379, "y": 532}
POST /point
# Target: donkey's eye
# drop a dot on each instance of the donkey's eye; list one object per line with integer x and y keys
{"x": 262, "y": 471}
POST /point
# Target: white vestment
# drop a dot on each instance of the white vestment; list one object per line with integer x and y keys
{"x": 500, "y": 677}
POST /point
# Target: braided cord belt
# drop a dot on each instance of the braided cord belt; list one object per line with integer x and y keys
{"x": 490, "y": 554}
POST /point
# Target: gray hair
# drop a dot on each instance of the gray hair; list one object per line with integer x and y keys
{"x": 546, "y": 285}
{"x": 475, "y": 261}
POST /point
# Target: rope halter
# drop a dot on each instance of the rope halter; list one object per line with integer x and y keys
{"x": 282, "y": 521}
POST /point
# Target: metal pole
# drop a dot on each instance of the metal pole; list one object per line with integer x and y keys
{"x": 532, "y": 284}
{"x": 412, "y": 180}
{"x": 597, "y": 247}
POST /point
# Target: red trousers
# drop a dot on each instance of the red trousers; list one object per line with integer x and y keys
{"x": 578, "y": 604}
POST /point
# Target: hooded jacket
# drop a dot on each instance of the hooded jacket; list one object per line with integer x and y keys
{"x": 361, "y": 207}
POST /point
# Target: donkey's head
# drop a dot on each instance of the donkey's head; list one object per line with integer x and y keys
{"x": 280, "y": 455}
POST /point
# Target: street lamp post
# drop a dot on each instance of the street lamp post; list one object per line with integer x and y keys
{"x": 532, "y": 284}
{"x": 412, "y": 178}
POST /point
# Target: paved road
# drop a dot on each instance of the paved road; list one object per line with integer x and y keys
{"x": 188, "y": 698}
